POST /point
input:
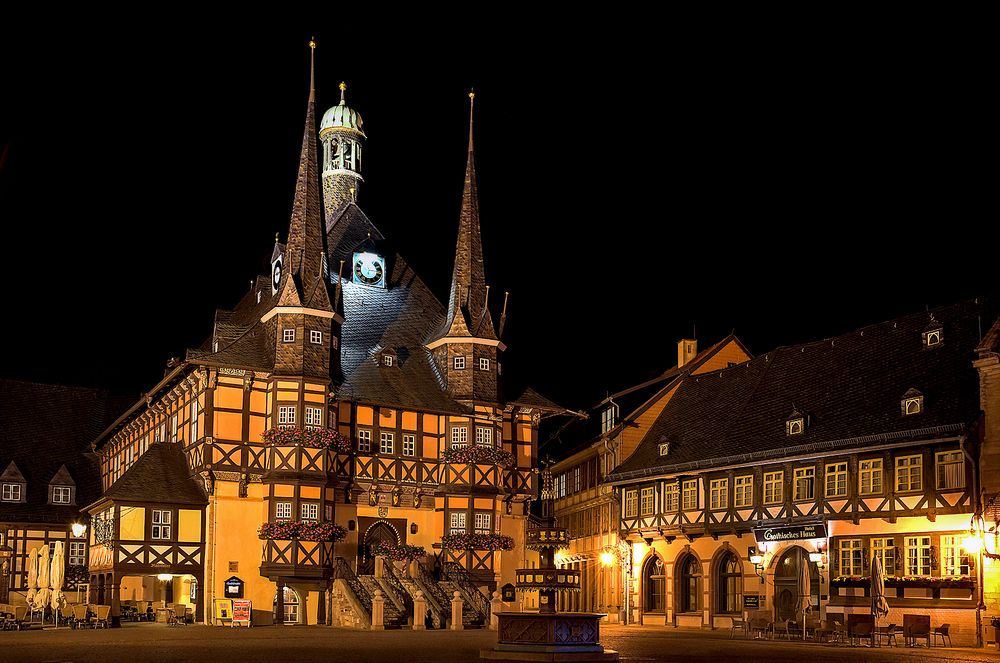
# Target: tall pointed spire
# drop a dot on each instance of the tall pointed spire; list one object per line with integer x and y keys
{"x": 306, "y": 240}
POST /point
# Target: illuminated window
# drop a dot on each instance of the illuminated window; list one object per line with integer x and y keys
{"x": 609, "y": 417}
{"x": 561, "y": 485}
{"x": 388, "y": 360}
{"x": 386, "y": 443}
{"x": 161, "y": 524}
{"x": 908, "y": 473}
{"x": 870, "y": 476}
{"x": 314, "y": 417}
{"x": 194, "y": 420}
{"x": 689, "y": 495}
{"x": 670, "y": 497}
{"x": 934, "y": 334}
{"x": 457, "y": 522}
{"x": 743, "y": 491}
{"x": 851, "y": 563}
{"x": 950, "y": 470}
{"x": 288, "y": 335}
{"x": 484, "y": 364}
{"x": 774, "y": 489}
{"x": 484, "y": 436}
{"x": 315, "y": 337}
{"x": 912, "y": 403}
{"x": 409, "y": 445}
{"x": 718, "y": 490}
{"x": 61, "y": 494}
{"x": 77, "y": 553}
{"x": 576, "y": 479}
{"x": 173, "y": 428}
{"x": 631, "y": 503}
{"x": 886, "y": 549}
{"x": 646, "y": 501}
{"x": 365, "y": 440}
{"x": 286, "y": 415}
{"x": 664, "y": 448}
{"x": 795, "y": 426}
{"x": 310, "y": 510}
{"x": 282, "y": 510}
{"x": 483, "y": 522}
{"x": 459, "y": 437}
{"x": 918, "y": 555}
{"x": 805, "y": 483}
{"x": 836, "y": 480}
{"x": 954, "y": 559}
{"x": 459, "y": 363}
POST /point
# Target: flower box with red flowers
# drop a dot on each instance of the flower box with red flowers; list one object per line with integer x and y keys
{"x": 477, "y": 541}
{"x": 478, "y": 455}
{"x": 304, "y": 530}
{"x": 398, "y": 553}
{"x": 317, "y": 438}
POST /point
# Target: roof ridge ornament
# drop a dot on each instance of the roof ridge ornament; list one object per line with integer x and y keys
{"x": 312, "y": 69}
{"x": 343, "y": 90}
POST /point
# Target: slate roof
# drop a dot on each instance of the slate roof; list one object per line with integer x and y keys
{"x": 531, "y": 398}
{"x": 159, "y": 475}
{"x": 42, "y": 428}
{"x": 849, "y": 387}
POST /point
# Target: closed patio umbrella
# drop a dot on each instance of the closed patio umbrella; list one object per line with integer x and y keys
{"x": 805, "y": 590}
{"x": 44, "y": 593}
{"x": 57, "y": 574}
{"x": 32, "y": 562}
{"x": 880, "y": 607}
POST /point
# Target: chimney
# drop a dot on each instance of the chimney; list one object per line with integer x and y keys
{"x": 687, "y": 348}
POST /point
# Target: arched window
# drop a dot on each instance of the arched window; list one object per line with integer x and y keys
{"x": 689, "y": 585}
{"x": 727, "y": 584}
{"x": 654, "y": 585}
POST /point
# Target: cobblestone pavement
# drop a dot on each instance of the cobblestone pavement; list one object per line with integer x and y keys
{"x": 155, "y": 643}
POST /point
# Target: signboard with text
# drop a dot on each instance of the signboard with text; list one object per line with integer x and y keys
{"x": 790, "y": 533}
{"x": 242, "y": 609}
{"x": 222, "y": 609}
{"x": 751, "y": 601}
{"x": 234, "y": 588}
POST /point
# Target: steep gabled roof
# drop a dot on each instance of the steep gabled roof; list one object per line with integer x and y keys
{"x": 159, "y": 475}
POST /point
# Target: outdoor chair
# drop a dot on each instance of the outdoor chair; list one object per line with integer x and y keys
{"x": 16, "y": 622}
{"x": 812, "y": 625}
{"x": 781, "y": 628}
{"x": 739, "y": 625}
{"x": 942, "y": 632}
{"x": 100, "y": 617}
{"x": 889, "y": 634}
{"x": 917, "y": 632}
{"x": 863, "y": 631}
{"x": 759, "y": 626}
{"x": 79, "y": 615}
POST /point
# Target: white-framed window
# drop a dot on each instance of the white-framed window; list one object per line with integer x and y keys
{"x": 689, "y": 494}
{"x": 743, "y": 491}
{"x": 386, "y": 442}
{"x": 484, "y": 436}
{"x": 836, "y": 480}
{"x": 388, "y": 360}
{"x": 309, "y": 510}
{"x": 315, "y": 337}
{"x": 173, "y": 428}
{"x": 609, "y": 417}
{"x": 774, "y": 487}
{"x": 457, "y": 522}
{"x": 459, "y": 436}
{"x": 314, "y": 417}
{"x": 670, "y": 491}
{"x": 909, "y": 473}
{"x": 483, "y": 522}
{"x": 954, "y": 558}
{"x": 458, "y": 363}
{"x": 576, "y": 480}
{"x": 409, "y": 445}
{"x": 77, "y": 553}
{"x": 161, "y": 524}
{"x": 631, "y": 503}
{"x": 561, "y": 485}
{"x": 851, "y": 563}
{"x": 61, "y": 494}
{"x": 288, "y": 334}
{"x": 286, "y": 415}
{"x": 718, "y": 491}
{"x": 194, "y": 420}
{"x": 11, "y": 492}
{"x": 484, "y": 364}
{"x": 282, "y": 510}
{"x": 805, "y": 483}
{"x": 950, "y": 472}
{"x": 646, "y": 501}
{"x": 364, "y": 440}
{"x": 918, "y": 555}
{"x": 886, "y": 549}
{"x": 870, "y": 476}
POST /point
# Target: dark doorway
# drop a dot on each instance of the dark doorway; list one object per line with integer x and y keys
{"x": 786, "y": 583}
{"x": 380, "y": 531}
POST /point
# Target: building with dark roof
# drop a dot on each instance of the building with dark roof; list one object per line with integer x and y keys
{"x": 817, "y": 456}
{"x": 340, "y": 407}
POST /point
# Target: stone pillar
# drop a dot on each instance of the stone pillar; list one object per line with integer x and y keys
{"x": 378, "y": 611}
{"x": 419, "y": 612}
{"x": 413, "y": 568}
{"x": 496, "y": 605}
{"x": 379, "y": 567}
{"x": 456, "y": 612}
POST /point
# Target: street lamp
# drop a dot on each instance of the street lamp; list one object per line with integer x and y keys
{"x": 607, "y": 558}
{"x": 78, "y": 529}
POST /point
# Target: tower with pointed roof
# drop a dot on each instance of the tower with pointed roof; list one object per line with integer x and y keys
{"x": 342, "y": 133}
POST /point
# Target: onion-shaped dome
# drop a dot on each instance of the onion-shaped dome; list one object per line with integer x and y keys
{"x": 342, "y": 117}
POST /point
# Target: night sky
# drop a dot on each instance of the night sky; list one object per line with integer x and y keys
{"x": 628, "y": 191}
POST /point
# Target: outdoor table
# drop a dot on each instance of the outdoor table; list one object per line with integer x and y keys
{"x": 163, "y": 615}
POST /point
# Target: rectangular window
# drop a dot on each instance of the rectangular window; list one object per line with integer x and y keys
{"x": 870, "y": 476}
{"x": 194, "y": 421}
{"x": 77, "y": 553}
{"x": 908, "y": 473}
{"x": 314, "y": 417}
{"x": 286, "y": 415}
{"x": 315, "y": 337}
{"x": 576, "y": 480}
{"x": 365, "y": 441}
{"x": 743, "y": 491}
{"x": 459, "y": 363}
{"x": 646, "y": 502}
{"x": 385, "y": 443}
{"x": 484, "y": 364}
{"x": 609, "y": 417}
{"x": 561, "y": 488}
{"x": 61, "y": 494}
{"x": 310, "y": 510}
{"x": 689, "y": 494}
{"x": 409, "y": 445}
{"x": 774, "y": 487}
{"x": 173, "y": 428}
{"x": 670, "y": 497}
{"x": 886, "y": 549}
{"x": 718, "y": 490}
{"x": 851, "y": 563}
{"x": 954, "y": 559}
{"x": 459, "y": 437}
{"x": 950, "y": 470}
{"x": 282, "y": 510}
{"x": 388, "y": 360}
{"x": 483, "y": 522}
{"x": 836, "y": 480}
{"x": 918, "y": 555}
{"x": 484, "y": 436}
{"x": 288, "y": 335}
{"x": 458, "y": 522}
{"x": 805, "y": 483}
{"x": 161, "y": 524}
{"x": 631, "y": 503}
{"x": 11, "y": 492}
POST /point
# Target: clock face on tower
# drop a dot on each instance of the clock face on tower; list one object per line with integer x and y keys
{"x": 276, "y": 275}
{"x": 369, "y": 269}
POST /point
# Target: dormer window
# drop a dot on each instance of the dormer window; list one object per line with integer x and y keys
{"x": 912, "y": 403}
{"x": 795, "y": 424}
{"x": 11, "y": 492}
{"x": 664, "y": 448}
{"x": 12, "y": 484}
{"x": 388, "y": 360}
{"x": 62, "y": 495}
{"x": 933, "y": 334}
{"x": 609, "y": 417}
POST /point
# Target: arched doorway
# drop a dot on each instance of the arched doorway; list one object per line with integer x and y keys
{"x": 786, "y": 582}
{"x": 380, "y": 531}
{"x": 291, "y": 601}
{"x": 654, "y": 585}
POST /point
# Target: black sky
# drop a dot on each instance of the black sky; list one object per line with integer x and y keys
{"x": 630, "y": 189}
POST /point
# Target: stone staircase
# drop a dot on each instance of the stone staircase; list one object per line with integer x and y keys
{"x": 439, "y": 619}
{"x": 394, "y": 616}
{"x": 470, "y": 617}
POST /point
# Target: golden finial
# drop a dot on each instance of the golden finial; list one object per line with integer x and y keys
{"x": 276, "y": 238}
{"x": 343, "y": 89}
{"x": 312, "y": 43}
{"x": 312, "y": 69}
